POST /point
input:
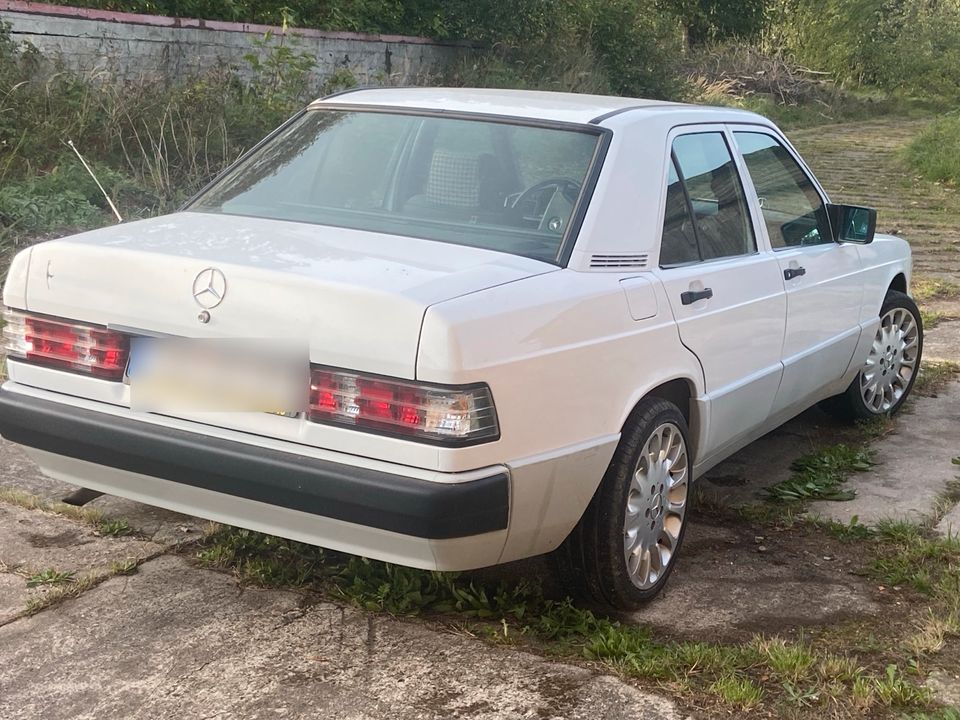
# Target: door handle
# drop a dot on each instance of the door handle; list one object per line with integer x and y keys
{"x": 791, "y": 273}
{"x": 691, "y": 296}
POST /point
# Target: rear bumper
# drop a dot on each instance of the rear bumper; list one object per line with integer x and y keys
{"x": 156, "y": 463}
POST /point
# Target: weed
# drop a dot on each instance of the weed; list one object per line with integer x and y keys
{"x": 62, "y": 592}
{"x": 930, "y": 288}
{"x": 263, "y": 560}
{"x": 791, "y": 661}
{"x": 125, "y": 567}
{"x": 818, "y": 475}
{"x": 853, "y": 530}
{"x": 934, "y": 375}
{"x": 49, "y": 577}
{"x": 737, "y": 690}
{"x": 894, "y": 689}
{"x": 114, "y": 528}
{"x": 930, "y": 318}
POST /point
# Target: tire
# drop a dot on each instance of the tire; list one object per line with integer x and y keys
{"x": 884, "y": 383}
{"x": 593, "y": 561}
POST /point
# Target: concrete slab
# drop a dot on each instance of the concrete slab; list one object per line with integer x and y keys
{"x": 13, "y": 596}
{"x": 942, "y": 342}
{"x": 176, "y": 641}
{"x": 741, "y": 478}
{"x": 18, "y": 472}
{"x": 949, "y": 525}
{"x": 914, "y": 465}
{"x": 36, "y": 540}
{"x": 945, "y": 687}
{"x": 730, "y": 584}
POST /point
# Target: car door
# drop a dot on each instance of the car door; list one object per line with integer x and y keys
{"x": 726, "y": 296}
{"x": 823, "y": 280}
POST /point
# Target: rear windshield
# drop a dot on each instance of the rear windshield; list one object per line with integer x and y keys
{"x": 495, "y": 185}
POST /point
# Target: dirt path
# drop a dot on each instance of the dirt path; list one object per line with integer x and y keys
{"x": 861, "y": 163}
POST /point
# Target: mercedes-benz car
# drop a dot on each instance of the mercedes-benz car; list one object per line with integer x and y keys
{"x": 452, "y": 328}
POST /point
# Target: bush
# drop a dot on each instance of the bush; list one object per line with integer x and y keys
{"x": 935, "y": 152}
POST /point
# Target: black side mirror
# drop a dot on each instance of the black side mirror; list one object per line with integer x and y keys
{"x": 852, "y": 224}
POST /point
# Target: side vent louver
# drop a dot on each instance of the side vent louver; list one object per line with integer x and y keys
{"x": 618, "y": 261}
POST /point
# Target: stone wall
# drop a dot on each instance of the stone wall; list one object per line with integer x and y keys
{"x": 129, "y": 45}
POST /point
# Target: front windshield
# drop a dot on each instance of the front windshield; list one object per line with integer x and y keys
{"x": 495, "y": 185}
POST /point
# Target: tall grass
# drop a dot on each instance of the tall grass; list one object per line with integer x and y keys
{"x": 935, "y": 152}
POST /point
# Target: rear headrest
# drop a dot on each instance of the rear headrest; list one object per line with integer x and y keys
{"x": 454, "y": 179}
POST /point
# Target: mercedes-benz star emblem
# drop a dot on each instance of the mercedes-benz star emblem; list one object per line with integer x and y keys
{"x": 209, "y": 288}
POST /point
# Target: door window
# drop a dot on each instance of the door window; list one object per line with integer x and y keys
{"x": 679, "y": 243}
{"x": 793, "y": 210}
{"x": 720, "y": 219}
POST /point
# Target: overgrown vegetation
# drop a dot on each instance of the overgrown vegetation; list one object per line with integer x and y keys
{"x": 819, "y": 475}
{"x": 935, "y": 152}
{"x": 766, "y": 675}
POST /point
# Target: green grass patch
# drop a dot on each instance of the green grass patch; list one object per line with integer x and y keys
{"x": 820, "y": 475}
{"x": 934, "y": 375}
{"x": 761, "y": 675}
{"x": 114, "y": 528}
{"x": 930, "y": 318}
{"x": 935, "y": 152}
{"x": 928, "y": 288}
{"x": 49, "y": 577}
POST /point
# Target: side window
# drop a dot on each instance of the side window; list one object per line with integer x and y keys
{"x": 679, "y": 242}
{"x": 721, "y": 221}
{"x": 793, "y": 210}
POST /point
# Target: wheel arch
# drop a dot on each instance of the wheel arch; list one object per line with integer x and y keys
{"x": 899, "y": 283}
{"x": 681, "y": 391}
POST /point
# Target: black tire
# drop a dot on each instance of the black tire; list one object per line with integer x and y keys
{"x": 850, "y": 405}
{"x": 591, "y": 561}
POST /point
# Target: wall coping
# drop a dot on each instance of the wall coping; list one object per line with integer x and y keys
{"x": 38, "y": 8}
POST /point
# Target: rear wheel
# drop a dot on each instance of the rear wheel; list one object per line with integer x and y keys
{"x": 625, "y": 546}
{"x": 887, "y": 377}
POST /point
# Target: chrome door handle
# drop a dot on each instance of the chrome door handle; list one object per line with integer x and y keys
{"x": 691, "y": 296}
{"x": 791, "y": 273}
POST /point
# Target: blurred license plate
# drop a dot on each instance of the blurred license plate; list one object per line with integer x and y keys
{"x": 231, "y": 375}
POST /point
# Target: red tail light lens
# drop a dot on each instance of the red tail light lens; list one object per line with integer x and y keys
{"x": 65, "y": 345}
{"x": 431, "y": 413}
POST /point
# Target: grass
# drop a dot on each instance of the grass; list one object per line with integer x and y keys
{"x": 108, "y": 527}
{"x": 928, "y": 288}
{"x": 931, "y": 318}
{"x": 935, "y": 152}
{"x": 934, "y": 375}
{"x": 763, "y": 675}
{"x": 820, "y": 475}
{"x": 49, "y": 577}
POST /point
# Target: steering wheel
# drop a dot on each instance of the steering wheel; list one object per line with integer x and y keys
{"x": 568, "y": 187}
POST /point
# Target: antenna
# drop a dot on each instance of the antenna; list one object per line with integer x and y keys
{"x": 69, "y": 143}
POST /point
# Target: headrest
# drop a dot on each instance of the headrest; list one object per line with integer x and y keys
{"x": 454, "y": 179}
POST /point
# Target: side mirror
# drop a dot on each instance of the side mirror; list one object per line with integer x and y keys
{"x": 852, "y": 224}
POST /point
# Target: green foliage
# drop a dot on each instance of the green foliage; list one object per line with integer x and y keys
{"x": 911, "y": 46}
{"x": 818, "y": 475}
{"x": 49, "y": 577}
{"x": 114, "y": 528}
{"x": 711, "y": 21}
{"x": 935, "y": 152}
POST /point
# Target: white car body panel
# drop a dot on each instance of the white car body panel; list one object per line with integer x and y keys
{"x": 567, "y": 351}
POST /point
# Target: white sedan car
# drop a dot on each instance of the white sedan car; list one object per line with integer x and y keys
{"x": 455, "y": 328}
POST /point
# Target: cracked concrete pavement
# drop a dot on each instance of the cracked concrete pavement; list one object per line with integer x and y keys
{"x": 177, "y": 641}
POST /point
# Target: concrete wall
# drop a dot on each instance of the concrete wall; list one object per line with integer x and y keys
{"x": 128, "y": 45}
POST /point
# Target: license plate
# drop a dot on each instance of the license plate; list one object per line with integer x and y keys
{"x": 178, "y": 374}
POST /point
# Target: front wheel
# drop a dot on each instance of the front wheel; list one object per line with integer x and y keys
{"x": 890, "y": 370}
{"x": 625, "y": 546}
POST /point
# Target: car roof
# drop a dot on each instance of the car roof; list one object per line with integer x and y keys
{"x": 528, "y": 104}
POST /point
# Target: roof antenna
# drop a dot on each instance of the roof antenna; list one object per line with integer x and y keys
{"x": 69, "y": 143}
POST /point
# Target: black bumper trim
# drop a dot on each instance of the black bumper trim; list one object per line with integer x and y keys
{"x": 376, "y": 499}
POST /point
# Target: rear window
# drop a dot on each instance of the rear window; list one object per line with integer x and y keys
{"x": 497, "y": 185}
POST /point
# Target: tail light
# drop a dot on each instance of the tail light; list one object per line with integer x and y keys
{"x": 65, "y": 345}
{"x": 433, "y": 413}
